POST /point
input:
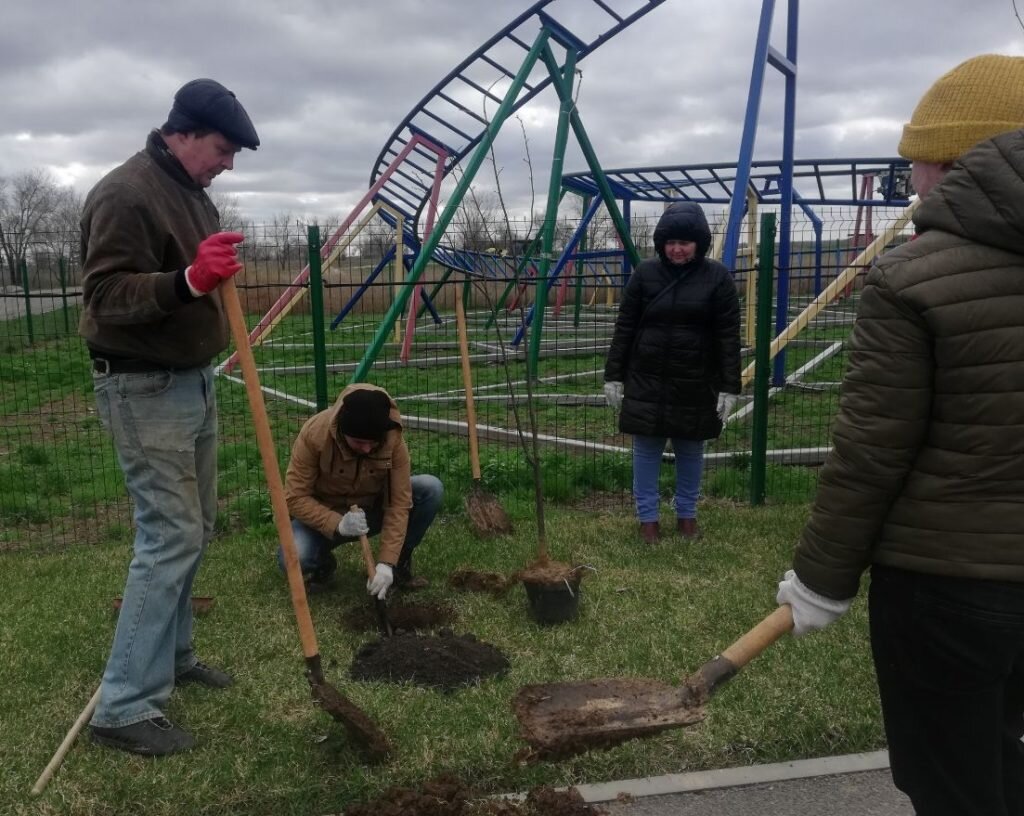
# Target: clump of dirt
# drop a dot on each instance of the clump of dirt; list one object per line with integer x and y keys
{"x": 471, "y": 580}
{"x": 447, "y": 796}
{"x": 446, "y": 661}
{"x": 403, "y": 617}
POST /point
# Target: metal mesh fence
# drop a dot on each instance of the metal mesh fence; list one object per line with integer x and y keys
{"x": 59, "y": 480}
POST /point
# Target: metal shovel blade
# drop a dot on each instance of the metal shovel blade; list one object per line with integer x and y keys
{"x": 562, "y": 719}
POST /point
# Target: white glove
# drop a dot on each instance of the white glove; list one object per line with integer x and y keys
{"x": 811, "y": 611}
{"x": 353, "y": 524}
{"x": 381, "y": 582}
{"x": 613, "y": 395}
{"x": 726, "y": 402}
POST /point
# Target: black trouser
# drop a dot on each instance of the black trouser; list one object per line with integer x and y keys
{"x": 949, "y": 657}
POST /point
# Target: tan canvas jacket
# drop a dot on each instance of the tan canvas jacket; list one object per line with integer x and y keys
{"x": 325, "y": 478}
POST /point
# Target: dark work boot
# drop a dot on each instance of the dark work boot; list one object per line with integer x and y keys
{"x": 155, "y": 737}
{"x": 687, "y": 528}
{"x": 649, "y": 532}
{"x": 205, "y": 676}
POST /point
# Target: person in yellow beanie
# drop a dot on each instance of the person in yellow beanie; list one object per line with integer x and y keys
{"x": 925, "y": 481}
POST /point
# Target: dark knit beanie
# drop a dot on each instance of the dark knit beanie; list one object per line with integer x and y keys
{"x": 205, "y": 104}
{"x": 365, "y": 414}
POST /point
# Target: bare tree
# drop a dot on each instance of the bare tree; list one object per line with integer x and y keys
{"x": 27, "y": 201}
{"x": 230, "y": 211}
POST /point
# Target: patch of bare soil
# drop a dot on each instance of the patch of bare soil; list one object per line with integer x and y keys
{"x": 470, "y": 580}
{"x": 606, "y": 503}
{"x": 447, "y": 796}
{"x": 403, "y": 617}
{"x": 445, "y": 661}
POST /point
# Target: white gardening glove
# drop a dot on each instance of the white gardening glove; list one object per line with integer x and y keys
{"x": 726, "y": 402}
{"x": 381, "y": 582}
{"x": 811, "y": 611}
{"x": 613, "y": 395}
{"x": 353, "y": 524}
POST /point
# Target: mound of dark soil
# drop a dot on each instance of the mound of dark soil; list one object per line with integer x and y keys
{"x": 403, "y": 617}
{"x": 447, "y": 796}
{"x": 446, "y": 661}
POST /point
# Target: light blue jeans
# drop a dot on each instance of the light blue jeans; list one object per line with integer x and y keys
{"x": 647, "y": 453}
{"x": 314, "y": 549}
{"x": 164, "y": 426}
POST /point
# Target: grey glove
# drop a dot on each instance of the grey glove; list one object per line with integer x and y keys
{"x": 726, "y": 402}
{"x": 811, "y": 611}
{"x": 353, "y": 524}
{"x": 613, "y": 395}
{"x": 381, "y": 582}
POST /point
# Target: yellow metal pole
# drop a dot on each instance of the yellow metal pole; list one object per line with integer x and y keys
{"x": 751, "y": 295}
{"x": 831, "y": 292}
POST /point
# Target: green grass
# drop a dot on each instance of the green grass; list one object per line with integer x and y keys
{"x": 650, "y": 612}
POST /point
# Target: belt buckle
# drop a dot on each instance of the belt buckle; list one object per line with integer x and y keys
{"x": 101, "y": 365}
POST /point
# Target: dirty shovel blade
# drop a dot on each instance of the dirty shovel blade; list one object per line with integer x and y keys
{"x": 363, "y": 732}
{"x": 562, "y": 719}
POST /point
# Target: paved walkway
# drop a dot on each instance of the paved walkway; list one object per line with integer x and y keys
{"x": 851, "y": 785}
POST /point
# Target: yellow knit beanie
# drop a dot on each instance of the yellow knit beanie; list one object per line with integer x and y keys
{"x": 975, "y": 101}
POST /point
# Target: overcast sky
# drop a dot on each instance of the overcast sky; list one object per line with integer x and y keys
{"x": 327, "y": 81}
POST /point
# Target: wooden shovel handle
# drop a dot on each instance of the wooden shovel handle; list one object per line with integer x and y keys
{"x": 368, "y": 559}
{"x": 233, "y": 307}
{"x": 467, "y": 384}
{"x": 760, "y": 637}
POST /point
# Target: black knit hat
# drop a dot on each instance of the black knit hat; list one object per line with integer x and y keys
{"x": 365, "y": 414}
{"x": 206, "y": 104}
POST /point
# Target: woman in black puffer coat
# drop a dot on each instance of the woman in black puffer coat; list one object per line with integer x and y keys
{"x": 674, "y": 362}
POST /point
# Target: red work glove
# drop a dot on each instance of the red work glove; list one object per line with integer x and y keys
{"x": 215, "y": 260}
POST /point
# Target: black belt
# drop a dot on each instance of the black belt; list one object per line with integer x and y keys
{"x": 125, "y": 366}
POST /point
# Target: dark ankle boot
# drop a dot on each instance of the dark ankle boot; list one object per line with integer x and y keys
{"x": 687, "y": 528}
{"x": 649, "y": 531}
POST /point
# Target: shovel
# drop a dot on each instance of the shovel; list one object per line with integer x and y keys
{"x": 560, "y": 720}
{"x": 360, "y": 728}
{"x": 486, "y": 515}
{"x": 381, "y": 606}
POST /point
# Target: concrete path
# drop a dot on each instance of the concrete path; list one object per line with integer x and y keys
{"x": 851, "y": 785}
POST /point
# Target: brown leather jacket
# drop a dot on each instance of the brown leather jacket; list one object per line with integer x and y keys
{"x": 325, "y": 477}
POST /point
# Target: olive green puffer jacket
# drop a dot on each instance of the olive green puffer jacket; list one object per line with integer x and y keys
{"x": 927, "y": 469}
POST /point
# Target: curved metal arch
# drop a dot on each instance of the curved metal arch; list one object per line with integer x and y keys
{"x": 451, "y": 116}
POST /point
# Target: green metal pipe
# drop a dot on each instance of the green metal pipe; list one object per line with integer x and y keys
{"x": 316, "y": 305}
{"x": 595, "y": 167}
{"x": 762, "y": 360}
{"x": 563, "y": 78}
{"x": 62, "y": 271}
{"x": 28, "y": 301}
{"x": 399, "y": 303}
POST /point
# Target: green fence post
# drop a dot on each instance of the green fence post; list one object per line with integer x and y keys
{"x": 62, "y": 271}
{"x": 762, "y": 360}
{"x": 28, "y": 301}
{"x": 316, "y": 305}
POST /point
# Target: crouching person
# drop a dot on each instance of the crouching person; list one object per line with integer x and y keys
{"x": 354, "y": 454}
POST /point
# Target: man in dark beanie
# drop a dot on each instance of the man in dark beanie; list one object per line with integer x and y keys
{"x": 153, "y": 257}
{"x": 354, "y": 454}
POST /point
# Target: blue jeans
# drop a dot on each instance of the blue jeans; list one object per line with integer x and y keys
{"x": 949, "y": 657}
{"x": 647, "y": 452}
{"x": 164, "y": 426}
{"x": 314, "y": 548}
